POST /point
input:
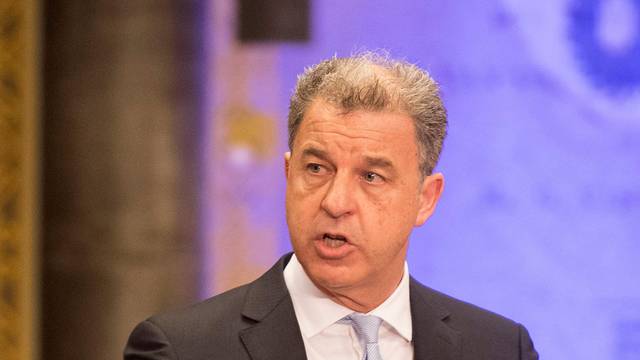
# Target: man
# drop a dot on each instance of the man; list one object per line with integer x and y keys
{"x": 365, "y": 134}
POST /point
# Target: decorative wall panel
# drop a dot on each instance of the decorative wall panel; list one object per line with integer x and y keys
{"x": 18, "y": 183}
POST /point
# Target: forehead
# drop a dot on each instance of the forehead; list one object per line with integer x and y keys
{"x": 324, "y": 122}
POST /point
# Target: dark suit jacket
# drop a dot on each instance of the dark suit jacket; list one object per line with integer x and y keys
{"x": 257, "y": 321}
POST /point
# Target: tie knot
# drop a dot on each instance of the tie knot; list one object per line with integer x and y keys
{"x": 366, "y": 326}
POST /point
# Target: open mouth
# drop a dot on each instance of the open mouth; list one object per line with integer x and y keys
{"x": 334, "y": 241}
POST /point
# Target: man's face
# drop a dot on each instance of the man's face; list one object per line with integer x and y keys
{"x": 354, "y": 194}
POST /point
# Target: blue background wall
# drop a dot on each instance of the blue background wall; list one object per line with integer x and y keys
{"x": 541, "y": 212}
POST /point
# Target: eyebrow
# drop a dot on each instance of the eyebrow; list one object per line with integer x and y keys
{"x": 313, "y": 151}
{"x": 378, "y": 162}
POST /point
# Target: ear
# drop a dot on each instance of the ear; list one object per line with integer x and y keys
{"x": 287, "y": 159}
{"x": 432, "y": 187}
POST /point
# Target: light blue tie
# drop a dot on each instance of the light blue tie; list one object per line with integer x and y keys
{"x": 367, "y": 326}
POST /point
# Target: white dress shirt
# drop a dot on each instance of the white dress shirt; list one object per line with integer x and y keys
{"x": 325, "y": 339}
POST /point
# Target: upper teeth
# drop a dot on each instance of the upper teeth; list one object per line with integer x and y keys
{"x": 333, "y": 242}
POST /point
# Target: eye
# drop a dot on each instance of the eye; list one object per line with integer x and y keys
{"x": 314, "y": 168}
{"x": 372, "y": 177}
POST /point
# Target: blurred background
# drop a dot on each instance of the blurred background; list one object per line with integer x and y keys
{"x": 141, "y": 162}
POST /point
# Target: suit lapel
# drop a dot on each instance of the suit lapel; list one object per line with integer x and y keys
{"x": 432, "y": 338}
{"x": 275, "y": 334}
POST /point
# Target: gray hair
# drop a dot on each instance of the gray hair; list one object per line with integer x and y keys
{"x": 375, "y": 82}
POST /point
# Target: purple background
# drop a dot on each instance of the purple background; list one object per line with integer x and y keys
{"x": 541, "y": 211}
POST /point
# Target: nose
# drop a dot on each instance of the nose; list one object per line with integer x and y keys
{"x": 339, "y": 200}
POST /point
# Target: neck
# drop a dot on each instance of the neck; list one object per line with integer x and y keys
{"x": 367, "y": 297}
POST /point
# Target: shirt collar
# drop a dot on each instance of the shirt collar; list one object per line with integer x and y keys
{"x": 316, "y": 311}
{"x": 396, "y": 309}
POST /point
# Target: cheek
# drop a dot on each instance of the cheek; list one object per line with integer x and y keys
{"x": 294, "y": 213}
{"x": 301, "y": 209}
{"x": 391, "y": 219}
{"x": 394, "y": 207}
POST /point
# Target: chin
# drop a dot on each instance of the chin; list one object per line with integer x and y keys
{"x": 330, "y": 276}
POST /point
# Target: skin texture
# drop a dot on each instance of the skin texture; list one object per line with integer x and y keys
{"x": 355, "y": 176}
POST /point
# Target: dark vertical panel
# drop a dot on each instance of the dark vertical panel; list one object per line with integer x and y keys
{"x": 273, "y": 20}
{"x": 120, "y": 147}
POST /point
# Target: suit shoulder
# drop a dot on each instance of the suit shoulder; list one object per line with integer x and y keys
{"x": 201, "y": 330}
{"x": 224, "y": 307}
{"x": 211, "y": 328}
{"x": 463, "y": 313}
{"x": 484, "y": 334}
